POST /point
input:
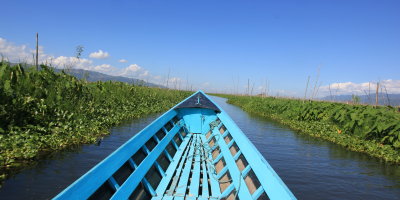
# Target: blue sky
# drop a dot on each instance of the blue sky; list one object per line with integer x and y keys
{"x": 214, "y": 44}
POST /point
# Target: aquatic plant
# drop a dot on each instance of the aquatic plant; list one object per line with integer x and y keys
{"x": 42, "y": 111}
{"x": 362, "y": 128}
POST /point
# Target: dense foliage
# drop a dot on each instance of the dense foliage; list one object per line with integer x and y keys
{"x": 42, "y": 111}
{"x": 362, "y": 128}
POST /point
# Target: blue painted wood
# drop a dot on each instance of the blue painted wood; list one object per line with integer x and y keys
{"x": 174, "y": 144}
{"x": 193, "y": 149}
{"x": 231, "y": 143}
{"x": 257, "y": 193}
{"x": 161, "y": 189}
{"x": 204, "y": 192}
{"x": 133, "y": 180}
{"x": 180, "y": 136}
{"x": 219, "y": 157}
{"x": 237, "y": 154}
{"x": 246, "y": 170}
{"x": 113, "y": 183}
{"x": 268, "y": 178}
{"x": 175, "y": 179}
{"x": 195, "y": 182}
{"x": 237, "y": 179}
{"x": 88, "y": 183}
{"x": 271, "y": 182}
{"x": 156, "y": 138}
{"x": 215, "y": 191}
{"x": 227, "y": 191}
{"x": 222, "y": 172}
{"x": 148, "y": 187}
{"x": 168, "y": 156}
{"x": 183, "y": 180}
{"x": 159, "y": 168}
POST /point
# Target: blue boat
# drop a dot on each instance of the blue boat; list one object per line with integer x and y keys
{"x": 193, "y": 151}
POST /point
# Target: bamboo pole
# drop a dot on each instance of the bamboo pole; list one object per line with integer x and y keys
{"x": 369, "y": 93}
{"x": 248, "y": 86}
{"x": 316, "y": 82}
{"x": 376, "y": 94}
{"x": 305, "y": 93}
{"x": 387, "y": 95}
{"x": 37, "y": 51}
{"x": 169, "y": 70}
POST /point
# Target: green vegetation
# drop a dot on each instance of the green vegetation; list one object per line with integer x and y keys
{"x": 375, "y": 131}
{"x": 42, "y": 111}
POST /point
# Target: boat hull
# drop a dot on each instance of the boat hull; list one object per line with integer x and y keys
{"x": 193, "y": 151}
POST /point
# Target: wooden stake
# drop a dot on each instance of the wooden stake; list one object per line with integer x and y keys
{"x": 305, "y": 94}
{"x": 37, "y": 51}
{"x": 387, "y": 95}
{"x": 169, "y": 70}
{"x": 376, "y": 95}
{"x": 248, "y": 86}
{"x": 369, "y": 92}
{"x": 315, "y": 86}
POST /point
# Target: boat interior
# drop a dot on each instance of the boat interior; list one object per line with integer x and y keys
{"x": 191, "y": 165}
{"x": 193, "y": 151}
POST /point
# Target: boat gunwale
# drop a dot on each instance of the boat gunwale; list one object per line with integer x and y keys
{"x": 243, "y": 142}
{"x": 270, "y": 182}
{"x": 167, "y": 116}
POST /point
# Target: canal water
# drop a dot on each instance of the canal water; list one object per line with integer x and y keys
{"x": 311, "y": 168}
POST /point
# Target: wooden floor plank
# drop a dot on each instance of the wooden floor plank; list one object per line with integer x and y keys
{"x": 172, "y": 167}
{"x": 184, "y": 179}
{"x": 204, "y": 192}
{"x": 215, "y": 191}
{"x": 168, "y": 198}
{"x": 175, "y": 179}
{"x": 195, "y": 182}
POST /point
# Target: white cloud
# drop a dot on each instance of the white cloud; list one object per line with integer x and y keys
{"x": 133, "y": 68}
{"x": 99, "y": 54}
{"x": 145, "y": 73}
{"x": 122, "y": 61}
{"x": 22, "y": 53}
{"x": 19, "y": 53}
{"x": 392, "y": 87}
{"x": 131, "y": 71}
{"x": 70, "y": 62}
{"x": 105, "y": 68}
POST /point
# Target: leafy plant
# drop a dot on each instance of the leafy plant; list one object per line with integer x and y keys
{"x": 364, "y": 128}
{"x": 42, "y": 111}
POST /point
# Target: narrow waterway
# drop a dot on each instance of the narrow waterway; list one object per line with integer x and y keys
{"x": 316, "y": 169}
{"x": 49, "y": 177}
{"x": 312, "y": 169}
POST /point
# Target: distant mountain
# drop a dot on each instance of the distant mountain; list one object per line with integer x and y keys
{"x": 93, "y": 76}
{"x": 394, "y": 99}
